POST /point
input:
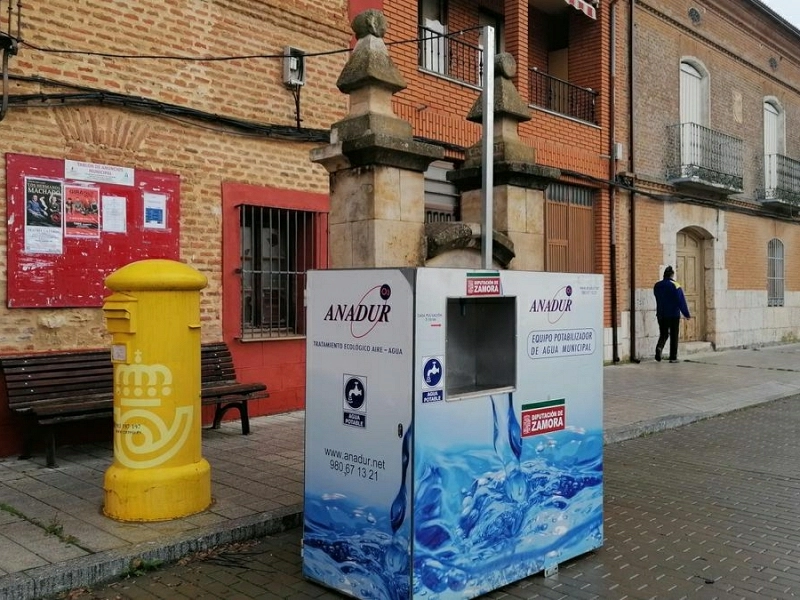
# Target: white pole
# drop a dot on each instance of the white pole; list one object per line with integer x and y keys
{"x": 487, "y": 147}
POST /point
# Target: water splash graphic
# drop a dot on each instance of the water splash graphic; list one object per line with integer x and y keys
{"x": 398, "y": 510}
{"x": 486, "y": 512}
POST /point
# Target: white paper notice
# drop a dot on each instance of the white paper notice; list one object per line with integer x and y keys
{"x": 115, "y": 215}
{"x": 44, "y": 216}
{"x": 155, "y": 211}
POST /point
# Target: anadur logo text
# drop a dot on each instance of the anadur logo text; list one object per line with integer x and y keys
{"x": 556, "y": 306}
{"x": 366, "y": 314}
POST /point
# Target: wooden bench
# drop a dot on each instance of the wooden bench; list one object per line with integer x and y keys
{"x": 60, "y": 387}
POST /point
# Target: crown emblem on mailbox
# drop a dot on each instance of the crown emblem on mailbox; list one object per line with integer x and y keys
{"x": 142, "y": 381}
{"x": 148, "y": 432}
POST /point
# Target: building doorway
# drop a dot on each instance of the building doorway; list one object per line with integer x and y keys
{"x": 689, "y": 273}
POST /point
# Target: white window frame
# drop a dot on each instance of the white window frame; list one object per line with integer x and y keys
{"x": 774, "y": 143}
{"x": 775, "y": 273}
{"x": 434, "y": 48}
{"x": 694, "y": 109}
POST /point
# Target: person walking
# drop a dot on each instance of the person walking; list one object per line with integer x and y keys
{"x": 670, "y": 305}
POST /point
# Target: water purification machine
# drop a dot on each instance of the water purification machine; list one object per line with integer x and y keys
{"x": 454, "y": 435}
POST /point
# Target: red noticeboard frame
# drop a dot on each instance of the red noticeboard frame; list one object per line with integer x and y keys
{"x": 67, "y": 267}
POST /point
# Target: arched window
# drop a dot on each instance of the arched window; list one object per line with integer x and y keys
{"x": 774, "y": 148}
{"x": 694, "y": 116}
{"x": 694, "y": 94}
{"x": 775, "y": 273}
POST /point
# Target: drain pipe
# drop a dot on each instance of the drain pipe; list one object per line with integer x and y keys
{"x": 632, "y": 164}
{"x": 612, "y": 173}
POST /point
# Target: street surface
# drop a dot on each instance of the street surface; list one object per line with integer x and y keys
{"x": 709, "y": 510}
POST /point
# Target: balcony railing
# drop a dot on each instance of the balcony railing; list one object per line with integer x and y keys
{"x": 450, "y": 57}
{"x": 561, "y": 96}
{"x": 701, "y": 157}
{"x": 781, "y": 180}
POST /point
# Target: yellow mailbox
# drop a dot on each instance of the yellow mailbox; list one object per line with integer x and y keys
{"x": 153, "y": 315}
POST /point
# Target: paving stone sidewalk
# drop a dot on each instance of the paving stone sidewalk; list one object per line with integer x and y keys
{"x": 700, "y": 512}
{"x": 55, "y": 537}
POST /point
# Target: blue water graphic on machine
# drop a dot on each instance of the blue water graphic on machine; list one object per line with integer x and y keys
{"x": 485, "y": 513}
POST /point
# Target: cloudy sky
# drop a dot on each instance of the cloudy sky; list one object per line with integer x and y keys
{"x": 788, "y": 9}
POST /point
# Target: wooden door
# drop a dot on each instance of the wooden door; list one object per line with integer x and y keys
{"x": 689, "y": 273}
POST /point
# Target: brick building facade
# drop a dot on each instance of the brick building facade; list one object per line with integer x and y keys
{"x": 666, "y": 130}
{"x": 228, "y": 130}
{"x": 714, "y": 166}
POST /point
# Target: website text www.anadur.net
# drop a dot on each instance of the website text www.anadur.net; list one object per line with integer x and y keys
{"x": 354, "y": 464}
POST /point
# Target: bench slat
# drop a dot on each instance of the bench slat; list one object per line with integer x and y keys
{"x": 58, "y": 387}
{"x": 241, "y": 389}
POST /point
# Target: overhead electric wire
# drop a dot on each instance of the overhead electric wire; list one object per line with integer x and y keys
{"x": 173, "y": 56}
{"x": 232, "y": 57}
{"x": 234, "y": 126}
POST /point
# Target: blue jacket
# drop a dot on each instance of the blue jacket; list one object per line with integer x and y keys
{"x": 670, "y": 301}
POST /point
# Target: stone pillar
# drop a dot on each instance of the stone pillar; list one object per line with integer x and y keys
{"x": 376, "y": 168}
{"x": 519, "y": 183}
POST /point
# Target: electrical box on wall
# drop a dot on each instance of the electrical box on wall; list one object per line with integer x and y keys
{"x": 294, "y": 67}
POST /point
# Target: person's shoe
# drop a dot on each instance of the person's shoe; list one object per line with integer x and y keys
{"x": 658, "y": 354}
{"x": 673, "y": 360}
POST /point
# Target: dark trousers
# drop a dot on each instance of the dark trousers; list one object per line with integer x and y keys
{"x": 669, "y": 328}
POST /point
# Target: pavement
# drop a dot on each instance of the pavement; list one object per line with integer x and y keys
{"x": 54, "y": 537}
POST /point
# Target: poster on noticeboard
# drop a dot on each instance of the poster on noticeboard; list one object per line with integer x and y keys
{"x": 43, "y": 216}
{"x": 82, "y": 212}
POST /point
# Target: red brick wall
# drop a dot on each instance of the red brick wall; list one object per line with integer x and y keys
{"x": 437, "y": 107}
{"x": 204, "y": 155}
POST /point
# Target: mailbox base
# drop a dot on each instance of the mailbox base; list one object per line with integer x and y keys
{"x": 157, "y": 494}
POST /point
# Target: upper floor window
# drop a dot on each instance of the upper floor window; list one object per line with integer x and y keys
{"x": 694, "y": 137}
{"x": 433, "y": 29}
{"x": 775, "y": 282}
{"x": 775, "y": 164}
{"x": 694, "y": 94}
{"x": 277, "y": 249}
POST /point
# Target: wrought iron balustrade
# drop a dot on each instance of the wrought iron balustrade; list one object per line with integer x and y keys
{"x": 704, "y": 157}
{"x": 781, "y": 180}
{"x": 561, "y": 96}
{"x": 451, "y": 57}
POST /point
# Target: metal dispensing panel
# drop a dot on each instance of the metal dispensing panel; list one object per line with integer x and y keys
{"x": 453, "y": 428}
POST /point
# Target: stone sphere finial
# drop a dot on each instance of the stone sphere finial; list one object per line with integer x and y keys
{"x": 370, "y": 22}
{"x": 504, "y": 65}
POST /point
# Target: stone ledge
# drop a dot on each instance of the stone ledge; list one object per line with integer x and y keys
{"x": 444, "y": 236}
{"x": 524, "y": 175}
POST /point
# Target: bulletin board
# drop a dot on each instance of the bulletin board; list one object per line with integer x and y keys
{"x": 72, "y": 223}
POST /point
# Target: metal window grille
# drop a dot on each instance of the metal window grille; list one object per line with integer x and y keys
{"x": 775, "y": 282}
{"x": 572, "y": 194}
{"x": 441, "y": 196}
{"x": 277, "y": 249}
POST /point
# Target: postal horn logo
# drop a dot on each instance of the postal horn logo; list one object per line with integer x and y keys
{"x": 366, "y": 314}
{"x": 555, "y": 307}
